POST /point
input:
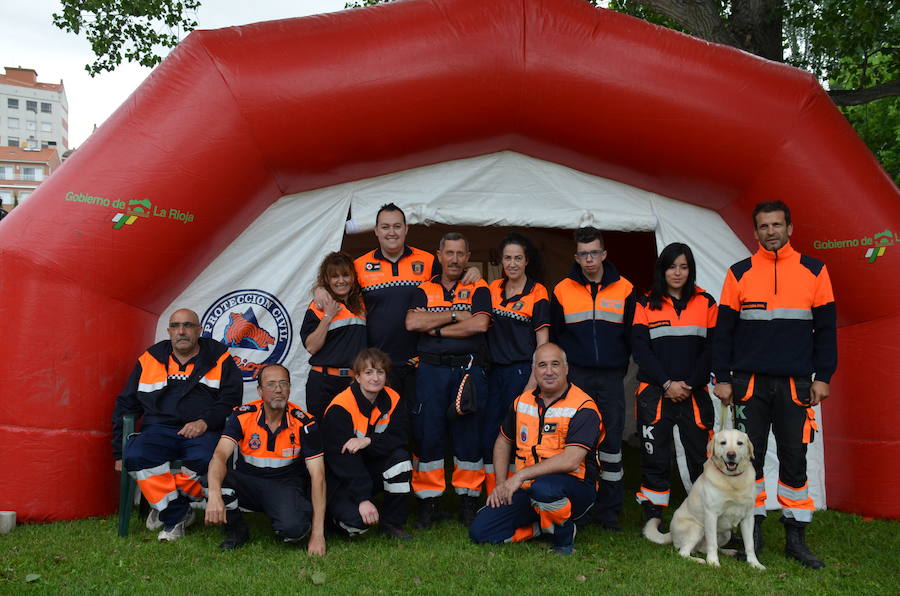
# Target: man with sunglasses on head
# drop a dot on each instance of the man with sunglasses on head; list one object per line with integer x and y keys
{"x": 184, "y": 388}
{"x": 591, "y": 311}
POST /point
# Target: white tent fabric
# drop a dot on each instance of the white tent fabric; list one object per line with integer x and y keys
{"x": 277, "y": 256}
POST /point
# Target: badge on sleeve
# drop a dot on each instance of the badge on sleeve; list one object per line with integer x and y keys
{"x": 254, "y": 442}
{"x": 376, "y": 266}
{"x": 523, "y": 434}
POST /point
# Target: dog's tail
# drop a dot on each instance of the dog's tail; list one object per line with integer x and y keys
{"x": 651, "y": 532}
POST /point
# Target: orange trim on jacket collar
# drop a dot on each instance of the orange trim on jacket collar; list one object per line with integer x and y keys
{"x": 783, "y": 253}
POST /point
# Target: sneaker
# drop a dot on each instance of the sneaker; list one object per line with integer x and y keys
{"x": 153, "y": 522}
{"x": 177, "y": 531}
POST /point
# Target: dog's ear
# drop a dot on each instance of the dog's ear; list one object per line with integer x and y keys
{"x": 750, "y": 448}
{"x": 710, "y": 445}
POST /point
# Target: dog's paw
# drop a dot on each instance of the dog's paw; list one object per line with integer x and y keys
{"x": 714, "y": 561}
{"x": 757, "y": 565}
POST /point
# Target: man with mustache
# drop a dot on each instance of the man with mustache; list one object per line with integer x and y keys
{"x": 279, "y": 449}
{"x": 451, "y": 318}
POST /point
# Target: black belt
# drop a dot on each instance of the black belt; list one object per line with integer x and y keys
{"x": 461, "y": 360}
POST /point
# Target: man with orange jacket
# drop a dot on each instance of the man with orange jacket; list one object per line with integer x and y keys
{"x": 451, "y": 318}
{"x": 279, "y": 449}
{"x": 774, "y": 352}
{"x": 184, "y": 388}
{"x": 554, "y": 431}
{"x": 591, "y": 311}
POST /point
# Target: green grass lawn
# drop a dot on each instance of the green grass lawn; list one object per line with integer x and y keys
{"x": 86, "y": 556}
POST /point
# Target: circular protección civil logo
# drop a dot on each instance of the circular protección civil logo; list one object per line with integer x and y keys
{"x": 255, "y": 327}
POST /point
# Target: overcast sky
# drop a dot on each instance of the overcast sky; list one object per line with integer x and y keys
{"x": 29, "y": 39}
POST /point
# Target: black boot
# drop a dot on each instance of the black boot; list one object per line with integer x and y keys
{"x": 429, "y": 513}
{"x": 736, "y": 543}
{"x": 651, "y": 511}
{"x": 395, "y": 532}
{"x": 757, "y": 534}
{"x": 468, "y": 507}
{"x": 795, "y": 547}
{"x": 236, "y": 535}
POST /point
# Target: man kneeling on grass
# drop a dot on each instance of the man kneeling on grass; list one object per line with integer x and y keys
{"x": 278, "y": 445}
{"x": 365, "y": 433}
{"x": 556, "y": 430}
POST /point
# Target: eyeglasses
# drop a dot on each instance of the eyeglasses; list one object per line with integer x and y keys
{"x": 594, "y": 254}
{"x": 273, "y": 385}
{"x": 176, "y": 325}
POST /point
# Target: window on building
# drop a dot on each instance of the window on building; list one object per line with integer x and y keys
{"x": 12, "y": 104}
{"x": 6, "y": 197}
{"x": 51, "y": 143}
{"x": 6, "y": 172}
{"x": 12, "y": 122}
{"x": 46, "y": 127}
{"x": 30, "y": 125}
{"x": 31, "y": 106}
{"x": 12, "y": 142}
{"x": 46, "y": 108}
{"x": 33, "y": 174}
{"x": 23, "y": 196}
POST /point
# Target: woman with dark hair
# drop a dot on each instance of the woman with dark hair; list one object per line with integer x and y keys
{"x": 365, "y": 436}
{"x": 671, "y": 341}
{"x": 333, "y": 334}
{"x": 521, "y": 324}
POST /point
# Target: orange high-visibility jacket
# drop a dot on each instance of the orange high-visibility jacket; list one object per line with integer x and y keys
{"x": 776, "y": 316}
{"x": 214, "y": 387}
{"x": 543, "y": 431}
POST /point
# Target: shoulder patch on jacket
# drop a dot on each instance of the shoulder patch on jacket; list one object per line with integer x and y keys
{"x": 740, "y": 268}
{"x": 245, "y": 408}
{"x": 302, "y": 416}
{"x": 811, "y": 263}
{"x": 710, "y": 301}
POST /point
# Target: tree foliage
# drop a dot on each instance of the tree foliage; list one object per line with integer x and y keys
{"x": 852, "y": 46}
{"x": 133, "y": 30}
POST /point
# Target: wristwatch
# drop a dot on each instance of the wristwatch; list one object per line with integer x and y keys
{"x": 453, "y": 316}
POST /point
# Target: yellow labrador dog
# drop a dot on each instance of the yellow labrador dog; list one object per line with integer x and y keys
{"x": 721, "y": 498}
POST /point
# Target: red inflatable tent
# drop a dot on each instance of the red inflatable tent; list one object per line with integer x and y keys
{"x": 238, "y": 117}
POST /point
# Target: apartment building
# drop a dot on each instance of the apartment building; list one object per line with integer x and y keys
{"x": 34, "y": 132}
{"x": 33, "y": 115}
{"x": 22, "y": 170}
